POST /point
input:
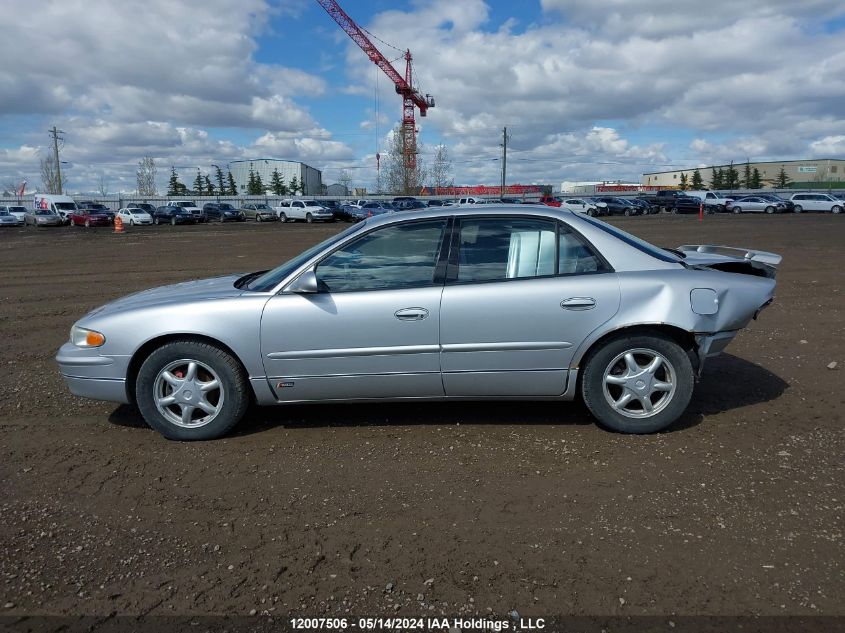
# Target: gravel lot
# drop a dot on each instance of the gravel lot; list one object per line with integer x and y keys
{"x": 423, "y": 509}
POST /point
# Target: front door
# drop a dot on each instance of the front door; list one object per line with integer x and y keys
{"x": 521, "y": 295}
{"x": 372, "y": 331}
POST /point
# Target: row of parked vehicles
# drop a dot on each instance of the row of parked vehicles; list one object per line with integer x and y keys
{"x": 54, "y": 210}
{"x": 674, "y": 201}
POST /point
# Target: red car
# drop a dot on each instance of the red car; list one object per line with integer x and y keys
{"x": 89, "y": 217}
{"x": 550, "y": 201}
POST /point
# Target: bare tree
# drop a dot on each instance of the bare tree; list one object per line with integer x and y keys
{"x": 441, "y": 169}
{"x": 50, "y": 175}
{"x": 397, "y": 177}
{"x": 103, "y": 185}
{"x": 147, "y": 177}
{"x": 346, "y": 180}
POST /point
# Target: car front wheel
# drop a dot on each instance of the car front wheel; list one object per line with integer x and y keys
{"x": 637, "y": 384}
{"x": 188, "y": 390}
{"x": 309, "y": 218}
{"x": 836, "y": 209}
{"x": 283, "y": 217}
{"x": 737, "y": 209}
{"x": 798, "y": 208}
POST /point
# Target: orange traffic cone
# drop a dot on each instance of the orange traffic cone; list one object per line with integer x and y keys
{"x": 118, "y": 224}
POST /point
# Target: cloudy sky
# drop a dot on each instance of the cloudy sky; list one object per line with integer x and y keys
{"x": 589, "y": 89}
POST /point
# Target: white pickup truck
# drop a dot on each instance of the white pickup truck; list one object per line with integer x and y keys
{"x": 190, "y": 206}
{"x": 305, "y": 210}
{"x": 713, "y": 200}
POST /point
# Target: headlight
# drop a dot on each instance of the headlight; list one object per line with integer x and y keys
{"x": 86, "y": 338}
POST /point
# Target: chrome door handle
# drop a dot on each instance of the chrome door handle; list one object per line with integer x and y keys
{"x": 411, "y": 314}
{"x": 578, "y": 303}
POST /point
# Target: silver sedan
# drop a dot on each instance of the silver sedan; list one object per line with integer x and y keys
{"x": 757, "y": 204}
{"x": 489, "y": 302}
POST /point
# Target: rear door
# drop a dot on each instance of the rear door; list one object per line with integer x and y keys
{"x": 521, "y": 294}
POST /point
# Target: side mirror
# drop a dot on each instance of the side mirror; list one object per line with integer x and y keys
{"x": 306, "y": 283}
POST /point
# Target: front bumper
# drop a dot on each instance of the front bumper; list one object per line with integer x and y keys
{"x": 91, "y": 375}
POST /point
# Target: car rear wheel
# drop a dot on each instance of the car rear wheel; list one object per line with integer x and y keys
{"x": 836, "y": 209}
{"x": 187, "y": 390}
{"x": 798, "y": 208}
{"x": 637, "y": 384}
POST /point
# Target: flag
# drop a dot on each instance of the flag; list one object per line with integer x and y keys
{"x": 22, "y": 189}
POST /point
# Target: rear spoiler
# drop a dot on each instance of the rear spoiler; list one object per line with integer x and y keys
{"x": 772, "y": 259}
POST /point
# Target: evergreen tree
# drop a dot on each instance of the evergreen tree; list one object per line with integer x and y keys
{"x": 209, "y": 187}
{"x": 732, "y": 178}
{"x": 232, "y": 188}
{"x": 697, "y": 182}
{"x": 198, "y": 184}
{"x": 173, "y": 183}
{"x": 259, "y": 186}
{"x": 684, "y": 181}
{"x": 219, "y": 177}
{"x": 276, "y": 185}
{"x": 718, "y": 179}
{"x": 294, "y": 186}
{"x": 250, "y": 182}
{"x": 746, "y": 176}
{"x": 755, "y": 179}
{"x": 782, "y": 181}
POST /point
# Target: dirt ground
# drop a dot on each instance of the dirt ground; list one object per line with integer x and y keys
{"x": 423, "y": 509}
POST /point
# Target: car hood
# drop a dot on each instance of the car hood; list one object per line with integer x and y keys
{"x": 184, "y": 292}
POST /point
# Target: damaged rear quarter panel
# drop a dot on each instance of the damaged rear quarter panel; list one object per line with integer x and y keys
{"x": 663, "y": 298}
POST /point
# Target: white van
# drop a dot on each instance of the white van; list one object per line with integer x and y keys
{"x": 816, "y": 202}
{"x": 62, "y": 206}
{"x": 471, "y": 200}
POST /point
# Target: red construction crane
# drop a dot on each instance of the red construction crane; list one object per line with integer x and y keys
{"x": 410, "y": 97}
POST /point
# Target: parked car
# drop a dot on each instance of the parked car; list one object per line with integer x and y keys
{"x": 134, "y": 215}
{"x": 673, "y": 201}
{"x": 757, "y": 204}
{"x": 89, "y": 217}
{"x": 644, "y": 207}
{"x": 305, "y": 210}
{"x": 144, "y": 206}
{"x": 471, "y": 200}
{"x": 7, "y": 219}
{"x": 340, "y": 211}
{"x": 618, "y": 206}
{"x": 372, "y": 209}
{"x": 222, "y": 212}
{"x": 435, "y": 203}
{"x": 816, "y": 202}
{"x": 788, "y": 204}
{"x": 169, "y": 214}
{"x": 550, "y": 201}
{"x": 405, "y": 205}
{"x": 43, "y": 217}
{"x": 630, "y": 345}
{"x": 191, "y": 207}
{"x": 714, "y": 201}
{"x": 259, "y": 211}
{"x": 16, "y": 210}
{"x": 97, "y": 207}
{"x": 62, "y": 206}
{"x": 584, "y": 205}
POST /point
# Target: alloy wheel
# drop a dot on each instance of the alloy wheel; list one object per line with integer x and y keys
{"x": 188, "y": 393}
{"x": 639, "y": 383}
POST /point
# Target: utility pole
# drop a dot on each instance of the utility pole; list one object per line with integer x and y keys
{"x": 55, "y": 134}
{"x": 504, "y": 161}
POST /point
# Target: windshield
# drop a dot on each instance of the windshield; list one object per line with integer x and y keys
{"x": 187, "y": 203}
{"x": 5, "y": 213}
{"x": 262, "y": 206}
{"x": 44, "y": 212}
{"x": 18, "y": 209}
{"x": 66, "y": 206}
{"x": 632, "y": 240}
{"x": 311, "y": 203}
{"x": 272, "y": 278}
{"x": 225, "y": 206}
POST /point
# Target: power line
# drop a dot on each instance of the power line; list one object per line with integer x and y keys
{"x": 54, "y": 133}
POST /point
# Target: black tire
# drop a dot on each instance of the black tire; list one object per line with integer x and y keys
{"x": 231, "y": 375}
{"x": 736, "y": 209}
{"x": 798, "y": 208}
{"x": 173, "y": 221}
{"x": 593, "y": 382}
{"x": 309, "y": 218}
{"x": 674, "y": 211}
{"x": 258, "y": 218}
{"x": 627, "y": 212}
{"x": 283, "y": 217}
{"x": 836, "y": 209}
{"x": 770, "y": 209}
{"x": 87, "y": 224}
{"x": 156, "y": 221}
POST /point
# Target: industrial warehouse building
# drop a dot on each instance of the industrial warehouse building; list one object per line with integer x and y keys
{"x": 288, "y": 170}
{"x": 808, "y": 173}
